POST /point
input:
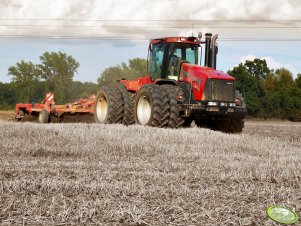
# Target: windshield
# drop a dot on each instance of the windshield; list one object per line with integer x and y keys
{"x": 165, "y": 59}
{"x": 179, "y": 53}
{"x": 185, "y": 51}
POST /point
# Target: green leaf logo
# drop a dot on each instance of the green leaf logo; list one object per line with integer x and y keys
{"x": 282, "y": 214}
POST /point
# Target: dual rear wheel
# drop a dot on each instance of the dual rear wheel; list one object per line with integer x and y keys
{"x": 158, "y": 106}
{"x": 108, "y": 106}
{"x": 153, "y": 105}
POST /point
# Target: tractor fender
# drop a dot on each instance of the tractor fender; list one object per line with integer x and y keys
{"x": 166, "y": 82}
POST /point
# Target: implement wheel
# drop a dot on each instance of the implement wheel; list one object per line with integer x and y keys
{"x": 108, "y": 106}
{"x": 43, "y": 116}
{"x": 21, "y": 114}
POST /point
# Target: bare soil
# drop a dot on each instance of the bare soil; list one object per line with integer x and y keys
{"x": 66, "y": 118}
{"x": 74, "y": 118}
{"x": 7, "y": 115}
{"x": 82, "y": 174}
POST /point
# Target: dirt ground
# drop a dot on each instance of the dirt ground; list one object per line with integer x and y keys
{"x": 87, "y": 118}
{"x": 70, "y": 118}
{"x": 273, "y": 128}
{"x": 7, "y": 115}
{"x": 77, "y": 173}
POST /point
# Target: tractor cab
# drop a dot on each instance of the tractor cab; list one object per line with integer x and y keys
{"x": 166, "y": 55}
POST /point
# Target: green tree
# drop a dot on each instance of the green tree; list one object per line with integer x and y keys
{"x": 25, "y": 76}
{"x": 8, "y": 96}
{"x": 58, "y": 70}
{"x": 298, "y": 97}
{"x": 298, "y": 81}
{"x": 270, "y": 106}
{"x": 257, "y": 68}
{"x": 282, "y": 98}
{"x": 287, "y": 90}
{"x": 80, "y": 90}
{"x": 249, "y": 77}
{"x": 136, "y": 67}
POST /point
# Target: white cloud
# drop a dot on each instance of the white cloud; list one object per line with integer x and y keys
{"x": 148, "y": 10}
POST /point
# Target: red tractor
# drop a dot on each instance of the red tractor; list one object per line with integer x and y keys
{"x": 176, "y": 91}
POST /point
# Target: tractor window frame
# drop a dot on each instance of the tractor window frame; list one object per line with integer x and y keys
{"x": 156, "y": 59}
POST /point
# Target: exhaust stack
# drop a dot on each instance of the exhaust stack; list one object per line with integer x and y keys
{"x": 213, "y": 51}
{"x": 207, "y": 49}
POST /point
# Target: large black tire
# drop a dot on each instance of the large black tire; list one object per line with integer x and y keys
{"x": 187, "y": 123}
{"x": 174, "y": 119}
{"x": 108, "y": 107}
{"x": 219, "y": 125}
{"x": 204, "y": 123}
{"x": 128, "y": 117}
{"x": 236, "y": 126}
{"x": 225, "y": 125}
{"x": 43, "y": 116}
{"x": 151, "y": 106}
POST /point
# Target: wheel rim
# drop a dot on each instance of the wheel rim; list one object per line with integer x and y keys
{"x": 21, "y": 113}
{"x": 101, "y": 109}
{"x": 144, "y": 110}
{"x": 40, "y": 117}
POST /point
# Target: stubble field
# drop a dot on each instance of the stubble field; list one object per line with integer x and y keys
{"x": 117, "y": 175}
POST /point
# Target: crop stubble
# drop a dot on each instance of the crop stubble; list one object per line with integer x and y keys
{"x": 112, "y": 174}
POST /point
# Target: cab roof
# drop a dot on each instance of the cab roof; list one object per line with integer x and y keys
{"x": 188, "y": 40}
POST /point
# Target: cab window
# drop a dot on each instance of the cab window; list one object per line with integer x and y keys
{"x": 179, "y": 53}
{"x": 192, "y": 55}
{"x": 156, "y": 55}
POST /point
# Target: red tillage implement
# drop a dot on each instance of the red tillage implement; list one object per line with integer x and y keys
{"x": 48, "y": 111}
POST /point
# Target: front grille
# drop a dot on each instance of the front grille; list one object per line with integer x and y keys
{"x": 220, "y": 90}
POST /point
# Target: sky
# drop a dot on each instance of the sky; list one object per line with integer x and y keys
{"x": 103, "y": 33}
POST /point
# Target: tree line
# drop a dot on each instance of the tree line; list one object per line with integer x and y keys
{"x": 30, "y": 82}
{"x": 268, "y": 93}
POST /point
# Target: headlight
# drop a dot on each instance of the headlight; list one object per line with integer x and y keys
{"x": 212, "y": 103}
{"x": 232, "y": 104}
{"x": 212, "y": 109}
{"x": 223, "y": 104}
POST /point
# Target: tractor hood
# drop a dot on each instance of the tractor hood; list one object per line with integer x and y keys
{"x": 198, "y": 76}
{"x": 199, "y": 73}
